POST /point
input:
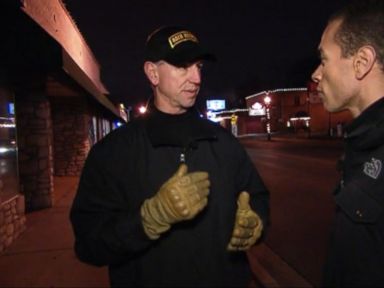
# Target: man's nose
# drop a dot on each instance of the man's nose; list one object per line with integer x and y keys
{"x": 195, "y": 74}
{"x": 316, "y": 75}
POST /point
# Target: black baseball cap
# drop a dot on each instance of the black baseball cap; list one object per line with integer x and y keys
{"x": 176, "y": 45}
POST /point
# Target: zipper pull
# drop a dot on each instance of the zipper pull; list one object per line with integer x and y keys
{"x": 182, "y": 157}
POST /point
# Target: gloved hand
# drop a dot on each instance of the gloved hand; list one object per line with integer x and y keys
{"x": 248, "y": 225}
{"x": 180, "y": 198}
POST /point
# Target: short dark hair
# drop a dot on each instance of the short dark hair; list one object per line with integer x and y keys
{"x": 362, "y": 24}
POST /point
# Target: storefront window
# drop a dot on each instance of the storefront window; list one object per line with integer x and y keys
{"x": 106, "y": 127}
{"x": 9, "y": 183}
{"x": 93, "y": 131}
{"x": 98, "y": 129}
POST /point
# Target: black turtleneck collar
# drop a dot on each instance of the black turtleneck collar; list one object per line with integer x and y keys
{"x": 367, "y": 130}
{"x": 182, "y": 130}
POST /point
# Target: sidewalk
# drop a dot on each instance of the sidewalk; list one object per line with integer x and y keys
{"x": 43, "y": 254}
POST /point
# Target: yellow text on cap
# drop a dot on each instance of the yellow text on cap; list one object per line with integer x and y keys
{"x": 181, "y": 36}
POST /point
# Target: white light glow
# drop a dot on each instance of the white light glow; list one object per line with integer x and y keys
{"x": 142, "y": 109}
{"x": 7, "y": 125}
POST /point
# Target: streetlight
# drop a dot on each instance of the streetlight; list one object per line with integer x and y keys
{"x": 267, "y": 102}
{"x": 142, "y": 109}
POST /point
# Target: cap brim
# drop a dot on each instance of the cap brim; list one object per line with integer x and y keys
{"x": 188, "y": 55}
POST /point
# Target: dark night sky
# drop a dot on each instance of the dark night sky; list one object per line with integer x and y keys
{"x": 260, "y": 44}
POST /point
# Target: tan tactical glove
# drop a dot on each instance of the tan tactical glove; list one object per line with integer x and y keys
{"x": 180, "y": 198}
{"x": 248, "y": 225}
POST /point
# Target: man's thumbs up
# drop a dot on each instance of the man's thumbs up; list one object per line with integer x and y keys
{"x": 180, "y": 198}
{"x": 248, "y": 225}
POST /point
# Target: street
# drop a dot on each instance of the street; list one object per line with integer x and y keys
{"x": 300, "y": 175}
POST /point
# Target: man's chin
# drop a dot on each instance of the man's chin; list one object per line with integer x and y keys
{"x": 328, "y": 108}
{"x": 189, "y": 103}
{"x": 331, "y": 109}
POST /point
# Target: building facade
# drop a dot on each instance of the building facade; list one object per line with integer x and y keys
{"x": 289, "y": 110}
{"x": 53, "y": 107}
{"x": 298, "y": 110}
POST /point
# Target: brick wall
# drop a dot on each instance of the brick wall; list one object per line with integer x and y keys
{"x": 34, "y": 131}
{"x": 12, "y": 220}
{"x": 70, "y": 133}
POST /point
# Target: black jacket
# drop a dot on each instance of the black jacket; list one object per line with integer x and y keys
{"x": 356, "y": 255}
{"x": 128, "y": 166}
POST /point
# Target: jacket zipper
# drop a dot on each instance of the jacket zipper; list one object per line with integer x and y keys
{"x": 183, "y": 155}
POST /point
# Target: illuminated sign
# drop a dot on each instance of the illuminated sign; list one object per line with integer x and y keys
{"x": 217, "y": 104}
{"x": 256, "y": 110}
{"x": 11, "y": 108}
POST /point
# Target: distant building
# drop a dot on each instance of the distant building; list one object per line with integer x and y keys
{"x": 300, "y": 109}
{"x": 291, "y": 110}
{"x": 53, "y": 107}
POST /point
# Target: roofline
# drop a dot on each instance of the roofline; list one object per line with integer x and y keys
{"x": 78, "y": 59}
{"x": 276, "y": 90}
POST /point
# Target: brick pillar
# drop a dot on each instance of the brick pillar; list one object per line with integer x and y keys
{"x": 71, "y": 125}
{"x": 12, "y": 220}
{"x": 34, "y": 132}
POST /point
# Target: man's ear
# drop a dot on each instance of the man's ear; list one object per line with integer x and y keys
{"x": 364, "y": 61}
{"x": 150, "y": 70}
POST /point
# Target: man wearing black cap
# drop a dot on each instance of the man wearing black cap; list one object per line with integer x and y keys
{"x": 170, "y": 199}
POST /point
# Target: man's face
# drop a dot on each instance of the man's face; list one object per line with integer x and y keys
{"x": 177, "y": 87}
{"x": 337, "y": 85}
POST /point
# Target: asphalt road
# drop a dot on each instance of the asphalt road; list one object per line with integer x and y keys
{"x": 300, "y": 174}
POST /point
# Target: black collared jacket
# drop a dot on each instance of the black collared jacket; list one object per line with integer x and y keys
{"x": 128, "y": 166}
{"x": 356, "y": 255}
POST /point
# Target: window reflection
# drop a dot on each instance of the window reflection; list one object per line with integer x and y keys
{"x": 8, "y": 146}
